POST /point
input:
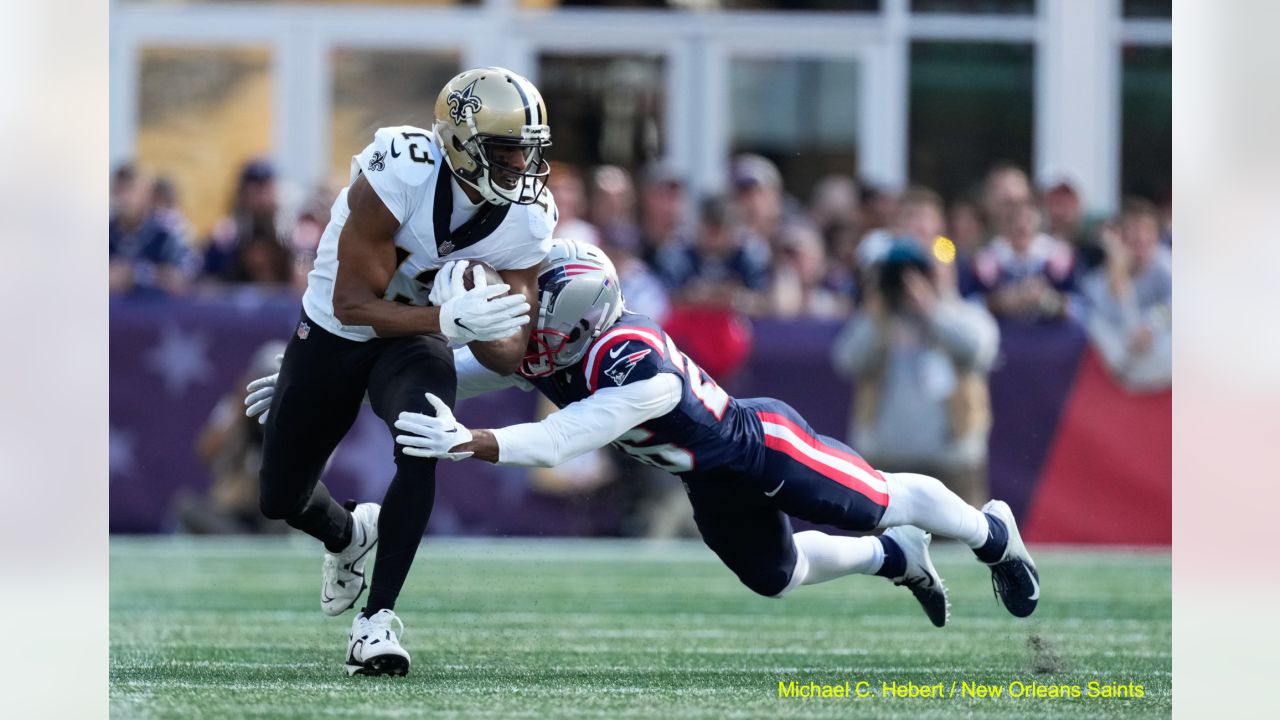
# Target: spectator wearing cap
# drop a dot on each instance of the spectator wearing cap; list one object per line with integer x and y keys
{"x": 1024, "y": 273}
{"x": 147, "y": 252}
{"x": 763, "y": 206}
{"x": 247, "y": 245}
{"x": 662, "y": 210}
{"x": 1065, "y": 220}
{"x": 799, "y": 286}
{"x": 1129, "y": 300}
{"x": 920, "y": 356}
{"x": 727, "y": 267}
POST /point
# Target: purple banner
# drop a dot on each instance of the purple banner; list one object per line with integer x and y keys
{"x": 172, "y": 360}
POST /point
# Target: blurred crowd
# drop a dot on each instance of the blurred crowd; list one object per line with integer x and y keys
{"x": 922, "y": 284}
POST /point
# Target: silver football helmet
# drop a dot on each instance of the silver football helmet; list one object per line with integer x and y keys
{"x": 579, "y": 298}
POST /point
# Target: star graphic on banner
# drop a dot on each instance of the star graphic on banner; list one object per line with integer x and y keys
{"x": 181, "y": 359}
{"x": 365, "y": 454}
{"x": 120, "y": 458}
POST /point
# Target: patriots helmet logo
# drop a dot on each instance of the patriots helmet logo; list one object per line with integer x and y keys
{"x": 624, "y": 363}
{"x": 463, "y": 103}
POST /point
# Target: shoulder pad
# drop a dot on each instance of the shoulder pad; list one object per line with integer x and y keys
{"x": 406, "y": 153}
{"x": 622, "y": 355}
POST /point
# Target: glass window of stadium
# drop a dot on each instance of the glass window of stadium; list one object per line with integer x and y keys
{"x": 971, "y": 106}
{"x": 810, "y": 5}
{"x": 800, "y": 113}
{"x": 1148, "y": 9}
{"x": 1146, "y": 126}
{"x": 404, "y": 94}
{"x": 983, "y": 7}
{"x": 221, "y": 95}
{"x": 605, "y": 109}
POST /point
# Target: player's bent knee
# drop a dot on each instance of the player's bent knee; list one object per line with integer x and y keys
{"x": 769, "y": 583}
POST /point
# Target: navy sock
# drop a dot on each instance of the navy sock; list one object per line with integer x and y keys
{"x": 997, "y": 538}
{"x": 895, "y": 563}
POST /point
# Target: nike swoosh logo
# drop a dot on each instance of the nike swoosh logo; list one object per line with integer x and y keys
{"x": 459, "y": 324}
{"x": 452, "y": 431}
{"x": 775, "y": 490}
{"x": 393, "y": 148}
{"x": 616, "y": 351}
{"x": 1035, "y": 595}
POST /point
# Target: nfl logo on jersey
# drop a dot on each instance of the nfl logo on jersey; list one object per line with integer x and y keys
{"x": 303, "y": 330}
{"x": 619, "y": 370}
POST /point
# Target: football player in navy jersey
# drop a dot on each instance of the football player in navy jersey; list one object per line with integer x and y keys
{"x": 748, "y": 465}
{"x": 471, "y": 187}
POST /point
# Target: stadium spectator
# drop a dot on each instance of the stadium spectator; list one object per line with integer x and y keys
{"x": 147, "y": 251}
{"x": 763, "y": 207}
{"x": 230, "y": 445}
{"x": 247, "y": 245}
{"x": 965, "y": 226}
{"x": 1005, "y": 189}
{"x": 1023, "y": 272}
{"x": 878, "y": 212}
{"x": 304, "y": 241}
{"x": 833, "y": 204}
{"x": 727, "y": 267}
{"x": 663, "y": 235}
{"x": 570, "y": 194}
{"x": 612, "y": 198}
{"x": 1064, "y": 220}
{"x": 718, "y": 282}
{"x": 920, "y": 356}
{"x": 798, "y": 287}
{"x": 918, "y": 218}
{"x": 1130, "y": 300}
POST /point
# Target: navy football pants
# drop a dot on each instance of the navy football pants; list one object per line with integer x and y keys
{"x": 743, "y": 517}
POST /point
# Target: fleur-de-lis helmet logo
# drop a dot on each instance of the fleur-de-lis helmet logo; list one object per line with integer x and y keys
{"x": 463, "y": 103}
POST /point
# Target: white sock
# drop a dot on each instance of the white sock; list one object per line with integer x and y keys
{"x": 925, "y": 502}
{"x": 821, "y": 557}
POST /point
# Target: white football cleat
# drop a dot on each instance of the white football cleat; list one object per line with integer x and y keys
{"x": 920, "y": 576}
{"x": 1014, "y": 577}
{"x": 344, "y": 572}
{"x": 374, "y": 649}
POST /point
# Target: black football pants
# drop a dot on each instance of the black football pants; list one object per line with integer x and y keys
{"x": 322, "y": 383}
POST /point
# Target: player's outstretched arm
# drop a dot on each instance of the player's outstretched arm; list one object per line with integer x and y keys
{"x": 579, "y": 427}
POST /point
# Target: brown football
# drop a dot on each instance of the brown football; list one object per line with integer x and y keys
{"x": 492, "y": 275}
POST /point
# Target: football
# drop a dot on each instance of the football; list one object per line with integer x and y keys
{"x": 491, "y": 274}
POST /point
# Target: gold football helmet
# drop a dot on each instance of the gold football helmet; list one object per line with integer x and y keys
{"x": 492, "y": 125}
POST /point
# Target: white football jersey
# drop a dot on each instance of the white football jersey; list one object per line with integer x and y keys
{"x": 407, "y": 170}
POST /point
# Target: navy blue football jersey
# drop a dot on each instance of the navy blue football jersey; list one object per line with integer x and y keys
{"x": 707, "y": 430}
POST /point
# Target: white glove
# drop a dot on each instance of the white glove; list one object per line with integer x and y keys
{"x": 260, "y": 393}
{"x": 435, "y": 436}
{"x": 446, "y": 286}
{"x": 481, "y": 313}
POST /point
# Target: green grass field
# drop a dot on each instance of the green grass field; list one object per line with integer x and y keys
{"x": 605, "y": 629}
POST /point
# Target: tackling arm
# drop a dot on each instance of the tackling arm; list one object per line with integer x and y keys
{"x": 578, "y": 428}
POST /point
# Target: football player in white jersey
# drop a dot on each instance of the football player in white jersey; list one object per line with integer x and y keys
{"x": 472, "y": 187}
